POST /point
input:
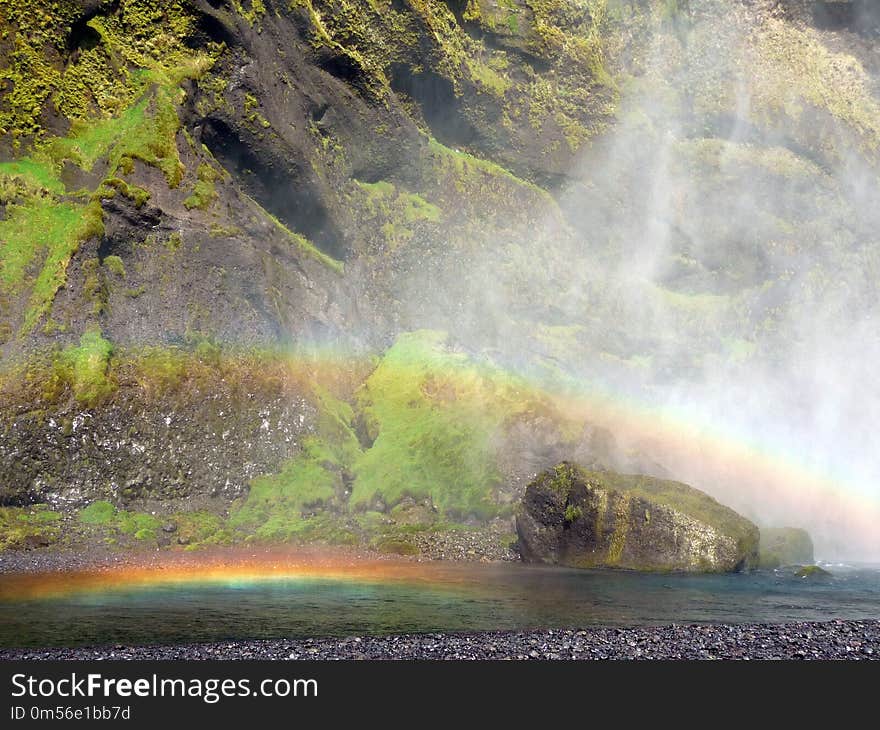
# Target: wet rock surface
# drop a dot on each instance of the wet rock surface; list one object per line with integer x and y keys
{"x": 822, "y": 640}
{"x": 584, "y": 519}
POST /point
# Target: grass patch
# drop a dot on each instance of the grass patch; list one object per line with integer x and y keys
{"x": 139, "y": 525}
{"x": 33, "y": 174}
{"x": 38, "y": 237}
{"x": 32, "y": 526}
{"x": 98, "y": 513}
{"x": 115, "y": 266}
{"x": 463, "y": 166}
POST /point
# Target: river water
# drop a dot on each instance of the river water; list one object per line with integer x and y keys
{"x": 455, "y": 597}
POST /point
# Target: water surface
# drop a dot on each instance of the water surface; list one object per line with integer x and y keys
{"x": 74, "y": 610}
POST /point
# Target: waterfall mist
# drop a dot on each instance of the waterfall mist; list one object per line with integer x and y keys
{"x": 721, "y": 264}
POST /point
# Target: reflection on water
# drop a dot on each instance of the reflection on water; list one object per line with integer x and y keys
{"x": 419, "y": 599}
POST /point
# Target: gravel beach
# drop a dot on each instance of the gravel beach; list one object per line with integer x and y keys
{"x": 815, "y": 640}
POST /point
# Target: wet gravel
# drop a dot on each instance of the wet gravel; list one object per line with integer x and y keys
{"x": 53, "y": 560}
{"x": 825, "y": 640}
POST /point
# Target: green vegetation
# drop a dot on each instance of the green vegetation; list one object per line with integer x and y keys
{"x": 204, "y": 193}
{"x": 138, "y": 44}
{"x": 121, "y": 99}
{"x": 114, "y": 185}
{"x": 115, "y": 266}
{"x": 87, "y": 368}
{"x": 139, "y": 525}
{"x": 23, "y": 527}
{"x": 41, "y": 234}
{"x": 800, "y": 72}
{"x": 396, "y": 211}
{"x": 251, "y": 10}
{"x": 462, "y": 166}
{"x": 200, "y": 529}
{"x": 98, "y": 513}
{"x": 432, "y": 416}
{"x": 784, "y": 546}
{"x": 276, "y": 504}
{"x": 811, "y": 571}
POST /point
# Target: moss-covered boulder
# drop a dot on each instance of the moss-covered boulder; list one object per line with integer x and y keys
{"x": 784, "y": 546}
{"x": 811, "y": 571}
{"x": 586, "y": 519}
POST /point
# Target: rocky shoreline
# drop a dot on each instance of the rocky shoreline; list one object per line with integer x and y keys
{"x": 801, "y": 640}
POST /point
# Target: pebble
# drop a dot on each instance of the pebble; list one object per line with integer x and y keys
{"x": 803, "y": 640}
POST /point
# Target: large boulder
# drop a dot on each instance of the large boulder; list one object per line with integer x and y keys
{"x": 586, "y": 519}
{"x": 784, "y": 546}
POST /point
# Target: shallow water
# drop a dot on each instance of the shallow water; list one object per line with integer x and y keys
{"x": 451, "y": 598}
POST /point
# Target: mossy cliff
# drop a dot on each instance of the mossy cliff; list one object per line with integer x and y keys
{"x": 588, "y": 519}
{"x": 190, "y": 190}
{"x": 785, "y": 546}
{"x": 233, "y": 157}
{"x": 281, "y": 446}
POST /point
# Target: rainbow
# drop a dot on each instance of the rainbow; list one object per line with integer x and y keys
{"x": 773, "y": 488}
{"x": 768, "y": 485}
{"x": 228, "y": 566}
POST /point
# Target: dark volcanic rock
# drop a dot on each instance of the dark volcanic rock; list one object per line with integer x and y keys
{"x": 585, "y": 519}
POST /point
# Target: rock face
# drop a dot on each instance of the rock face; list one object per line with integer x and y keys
{"x": 785, "y": 546}
{"x": 574, "y": 517}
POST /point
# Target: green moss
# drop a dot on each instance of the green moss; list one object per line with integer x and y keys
{"x": 204, "y": 193}
{"x": 433, "y": 420}
{"x": 41, "y": 235}
{"x": 139, "y": 525}
{"x": 796, "y": 71}
{"x": 396, "y": 546}
{"x": 394, "y": 211}
{"x": 139, "y": 42}
{"x": 573, "y": 512}
{"x": 251, "y": 105}
{"x": 121, "y": 99}
{"x": 88, "y": 365}
{"x": 201, "y": 529}
{"x": 251, "y": 10}
{"x": 115, "y": 266}
{"x": 34, "y": 175}
{"x": 217, "y": 231}
{"x": 811, "y": 571}
{"x": 277, "y": 504}
{"x": 139, "y": 196}
{"x": 174, "y": 241}
{"x": 464, "y": 167}
{"x": 98, "y": 513}
{"x": 22, "y": 527}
